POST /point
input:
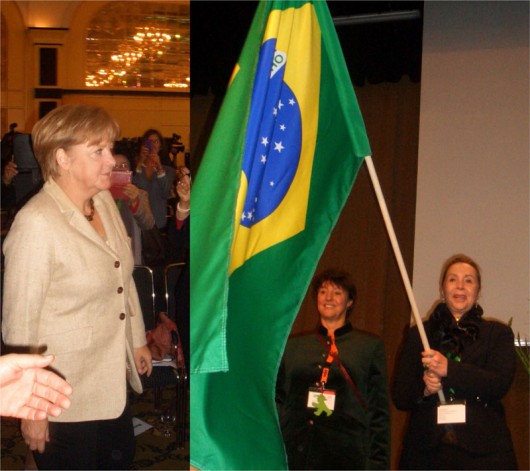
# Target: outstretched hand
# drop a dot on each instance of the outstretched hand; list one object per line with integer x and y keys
{"x": 28, "y": 391}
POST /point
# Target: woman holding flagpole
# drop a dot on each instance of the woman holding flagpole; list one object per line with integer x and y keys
{"x": 473, "y": 361}
{"x": 332, "y": 388}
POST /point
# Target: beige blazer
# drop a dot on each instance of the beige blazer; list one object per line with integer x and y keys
{"x": 70, "y": 292}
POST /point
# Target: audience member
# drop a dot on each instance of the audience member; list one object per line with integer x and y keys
{"x": 179, "y": 225}
{"x": 178, "y": 236}
{"x": 135, "y": 209}
{"x": 155, "y": 176}
{"x": 9, "y": 197}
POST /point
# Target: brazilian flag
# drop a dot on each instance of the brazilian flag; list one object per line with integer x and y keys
{"x": 277, "y": 171}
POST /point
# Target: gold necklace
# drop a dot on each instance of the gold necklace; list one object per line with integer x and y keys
{"x": 90, "y": 216}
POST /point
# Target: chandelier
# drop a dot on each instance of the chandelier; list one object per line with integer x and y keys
{"x": 139, "y": 50}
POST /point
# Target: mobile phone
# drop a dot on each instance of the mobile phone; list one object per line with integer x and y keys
{"x": 149, "y": 145}
{"x": 118, "y": 179}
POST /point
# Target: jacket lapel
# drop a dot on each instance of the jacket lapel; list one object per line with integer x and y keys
{"x": 110, "y": 217}
{"x": 78, "y": 221}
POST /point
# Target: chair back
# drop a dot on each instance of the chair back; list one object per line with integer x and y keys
{"x": 172, "y": 273}
{"x": 143, "y": 279}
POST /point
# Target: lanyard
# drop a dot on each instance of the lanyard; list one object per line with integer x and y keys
{"x": 333, "y": 356}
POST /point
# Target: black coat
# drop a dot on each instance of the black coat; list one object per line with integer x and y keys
{"x": 481, "y": 378}
{"x": 353, "y": 436}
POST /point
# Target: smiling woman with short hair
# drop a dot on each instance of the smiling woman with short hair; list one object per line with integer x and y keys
{"x": 332, "y": 392}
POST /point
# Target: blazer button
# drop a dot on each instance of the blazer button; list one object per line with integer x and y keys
{"x": 120, "y": 290}
{"x": 122, "y": 316}
{"x": 117, "y": 264}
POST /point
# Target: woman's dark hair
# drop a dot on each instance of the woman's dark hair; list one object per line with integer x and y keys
{"x": 338, "y": 278}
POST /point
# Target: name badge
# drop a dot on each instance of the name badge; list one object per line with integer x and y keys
{"x": 454, "y": 413}
{"x": 321, "y": 401}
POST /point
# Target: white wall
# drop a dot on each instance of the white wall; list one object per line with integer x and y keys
{"x": 473, "y": 170}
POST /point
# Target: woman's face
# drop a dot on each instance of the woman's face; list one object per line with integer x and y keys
{"x": 460, "y": 288}
{"x": 90, "y": 166}
{"x": 122, "y": 162}
{"x": 332, "y": 302}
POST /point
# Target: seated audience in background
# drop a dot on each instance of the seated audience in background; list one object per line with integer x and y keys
{"x": 133, "y": 204}
{"x": 68, "y": 289}
{"x": 28, "y": 390}
{"x": 155, "y": 174}
{"x": 332, "y": 392}
{"x": 472, "y": 360}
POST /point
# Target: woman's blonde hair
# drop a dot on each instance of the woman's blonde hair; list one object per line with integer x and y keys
{"x": 68, "y": 126}
{"x": 459, "y": 258}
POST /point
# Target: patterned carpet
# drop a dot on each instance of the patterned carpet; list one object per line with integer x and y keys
{"x": 153, "y": 449}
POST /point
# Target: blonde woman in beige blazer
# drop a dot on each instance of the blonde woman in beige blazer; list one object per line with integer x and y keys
{"x": 69, "y": 291}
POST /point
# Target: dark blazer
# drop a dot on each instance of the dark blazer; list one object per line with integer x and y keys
{"x": 481, "y": 378}
{"x": 354, "y": 436}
